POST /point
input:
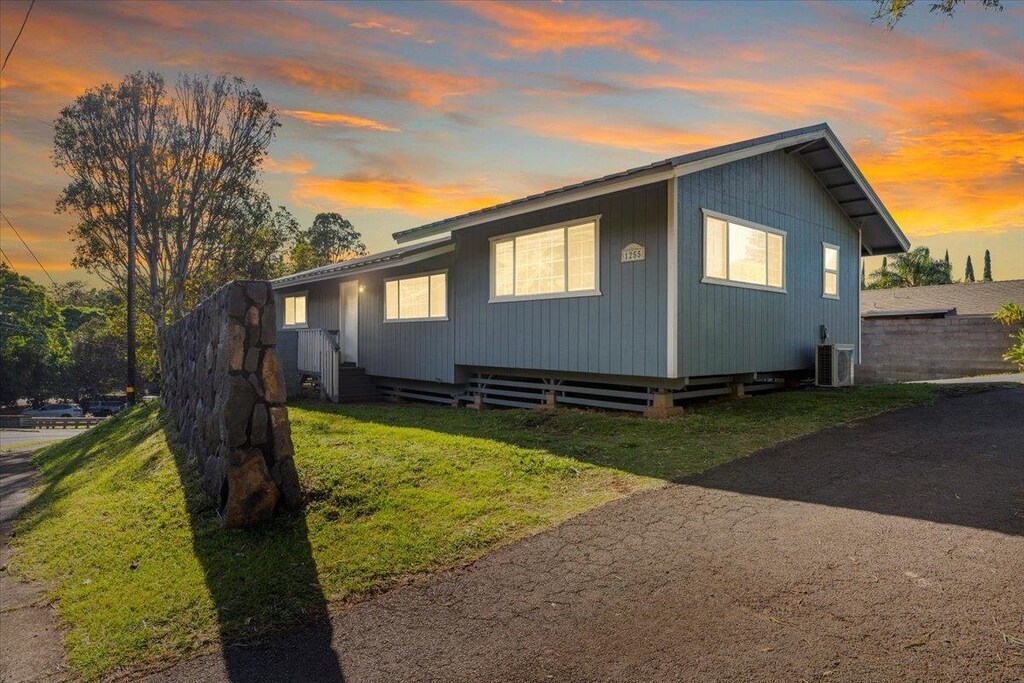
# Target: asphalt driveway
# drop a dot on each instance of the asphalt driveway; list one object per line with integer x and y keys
{"x": 887, "y": 549}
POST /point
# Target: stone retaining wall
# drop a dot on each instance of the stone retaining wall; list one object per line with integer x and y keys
{"x": 909, "y": 349}
{"x": 224, "y": 387}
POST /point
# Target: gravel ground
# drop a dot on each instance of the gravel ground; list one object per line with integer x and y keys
{"x": 886, "y": 549}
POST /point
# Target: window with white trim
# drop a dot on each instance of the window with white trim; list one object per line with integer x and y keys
{"x": 421, "y": 297}
{"x": 743, "y": 254}
{"x": 548, "y": 262}
{"x": 829, "y": 270}
{"x": 295, "y": 310}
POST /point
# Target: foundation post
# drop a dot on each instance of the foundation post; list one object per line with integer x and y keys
{"x": 550, "y": 402}
{"x": 662, "y": 406}
{"x": 736, "y": 390}
{"x": 478, "y": 402}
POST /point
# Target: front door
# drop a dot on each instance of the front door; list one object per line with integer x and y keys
{"x": 349, "y": 322}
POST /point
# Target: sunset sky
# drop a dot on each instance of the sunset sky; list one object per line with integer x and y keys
{"x": 396, "y": 114}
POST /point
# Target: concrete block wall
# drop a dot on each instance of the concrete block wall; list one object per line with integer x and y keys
{"x": 909, "y": 349}
{"x": 224, "y": 388}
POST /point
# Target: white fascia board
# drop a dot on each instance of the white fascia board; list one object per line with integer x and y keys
{"x": 862, "y": 182}
{"x": 774, "y": 145}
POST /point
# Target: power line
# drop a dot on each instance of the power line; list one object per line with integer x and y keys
{"x": 9, "y": 261}
{"x": 27, "y": 247}
{"x": 23, "y": 22}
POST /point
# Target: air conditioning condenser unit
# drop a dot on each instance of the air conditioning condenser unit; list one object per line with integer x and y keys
{"x": 833, "y": 365}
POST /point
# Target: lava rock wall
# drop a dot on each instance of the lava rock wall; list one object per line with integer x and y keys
{"x": 225, "y": 388}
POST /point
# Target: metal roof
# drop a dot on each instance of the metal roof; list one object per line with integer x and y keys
{"x": 816, "y": 146}
{"x": 364, "y": 263}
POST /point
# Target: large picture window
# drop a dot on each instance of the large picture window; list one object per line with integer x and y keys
{"x": 295, "y": 310}
{"x": 550, "y": 262}
{"x": 743, "y": 254}
{"x": 829, "y": 271}
{"x": 422, "y": 297}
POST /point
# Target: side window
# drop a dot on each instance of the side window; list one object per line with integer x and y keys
{"x": 295, "y": 310}
{"x": 743, "y": 254}
{"x": 830, "y": 271}
{"x": 421, "y": 297}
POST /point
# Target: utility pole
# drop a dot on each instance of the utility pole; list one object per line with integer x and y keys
{"x": 130, "y": 388}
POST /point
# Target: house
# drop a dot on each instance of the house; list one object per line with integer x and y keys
{"x": 689, "y": 276}
{"x": 936, "y": 332}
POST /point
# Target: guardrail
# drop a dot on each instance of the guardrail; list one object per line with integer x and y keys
{"x": 26, "y": 422}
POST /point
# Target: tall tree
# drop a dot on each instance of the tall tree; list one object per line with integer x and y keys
{"x": 986, "y": 274}
{"x": 969, "y": 270}
{"x": 33, "y": 342}
{"x": 255, "y": 248}
{"x": 332, "y": 238}
{"x": 916, "y": 268}
{"x": 947, "y": 257}
{"x": 863, "y": 276}
{"x": 198, "y": 150}
{"x": 893, "y": 10}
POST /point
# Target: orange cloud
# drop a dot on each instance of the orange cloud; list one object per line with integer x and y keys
{"x": 324, "y": 118}
{"x": 388, "y": 80}
{"x": 536, "y": 29}
{"x": 645, "y": 137}
{"x": 366, "y": 19}
{"x": 798, "y": 97}
{"x": 293, "y": 165}
{"x": 397, "y": 194}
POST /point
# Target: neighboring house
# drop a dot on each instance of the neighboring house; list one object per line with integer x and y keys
{"x": 634, "y": 290}
{"x": 936, "y": 332}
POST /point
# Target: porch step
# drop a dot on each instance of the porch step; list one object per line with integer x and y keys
{"x": 354, "y": 385}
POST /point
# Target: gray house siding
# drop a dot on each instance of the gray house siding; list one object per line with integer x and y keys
{"x": 420, "y": 350}
{"x": 732, "y": 330}
{"x": 620, "y": 332}
{"x": 321, "y": 311}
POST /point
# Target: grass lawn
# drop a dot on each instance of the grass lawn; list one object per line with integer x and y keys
{"x": 143, "y": 573}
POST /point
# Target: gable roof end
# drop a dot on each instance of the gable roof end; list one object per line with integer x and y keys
{"x": 816, "y": 146}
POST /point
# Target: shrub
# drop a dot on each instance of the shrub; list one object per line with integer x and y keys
{"x": 1011, "y": 314}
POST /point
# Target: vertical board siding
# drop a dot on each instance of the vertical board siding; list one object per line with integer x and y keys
{"x": 622, "y": 331}
{"x": 421, "y": 350}
{"x": 728, "y": 330}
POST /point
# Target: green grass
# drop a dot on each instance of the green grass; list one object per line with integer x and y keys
{"x": 143, "y": 572}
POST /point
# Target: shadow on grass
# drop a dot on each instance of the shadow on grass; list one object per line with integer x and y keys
{"x": 952, "y": 462}
{"x": 261, "y": 579}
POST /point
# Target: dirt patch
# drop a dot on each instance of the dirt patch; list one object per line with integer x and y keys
{"x": 885, "y": 549}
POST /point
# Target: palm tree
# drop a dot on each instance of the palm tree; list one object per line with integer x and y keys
{"x": 916, "y": 268}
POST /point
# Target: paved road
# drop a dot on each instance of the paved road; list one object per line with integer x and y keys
{"x": 889, "y": 549}
{"x": 31, "y": 645}
{"x": 27, "y": 439}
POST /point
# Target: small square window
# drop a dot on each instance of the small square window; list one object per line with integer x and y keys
{"x": 295, "y": 311}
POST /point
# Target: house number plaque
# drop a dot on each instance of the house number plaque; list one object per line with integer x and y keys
{"x": 633, "y": 252}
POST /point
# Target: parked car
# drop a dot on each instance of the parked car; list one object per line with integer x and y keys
{"x": 104, "y": 408}
{"x": 56, "y": 410}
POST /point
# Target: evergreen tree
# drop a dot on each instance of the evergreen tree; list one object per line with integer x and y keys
{"x": 885, "y": 263}
{"x": 947, "y": 256}
{"x": 969, "y": 271}
{"x": 863, "y": 276}
{"x": 986, "y": 275}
